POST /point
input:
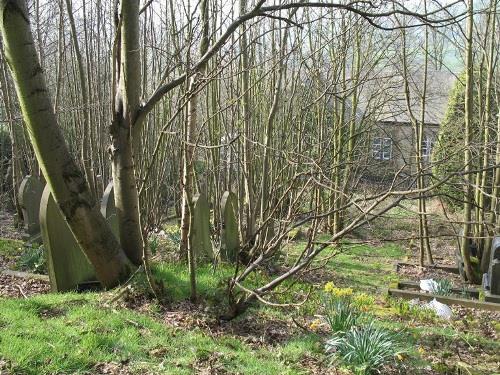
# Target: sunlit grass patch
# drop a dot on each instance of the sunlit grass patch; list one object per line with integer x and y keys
{"x": 72, "y": 333}
{"x": 9, "y": 247}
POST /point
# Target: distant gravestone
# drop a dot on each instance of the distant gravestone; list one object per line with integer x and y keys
{"x": 229, "y": 237}
{"x": 30, "y": 193}
{"x": 200, "y": 228}
{"x": 69, "y": 268}
{"x": 108, "y": 209}
{"x": 493, "y": 276}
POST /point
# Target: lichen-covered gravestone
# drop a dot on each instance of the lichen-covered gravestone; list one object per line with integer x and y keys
{"x": 108, "y": 208}
{"x": 200, "y": 228}
{"x": 69, "y": 268}
{"x": 229, "y": 237}
{"x": 30, "y": 193}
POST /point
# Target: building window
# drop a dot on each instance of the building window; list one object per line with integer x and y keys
{"x": 382, "y": 148}
{"x": 427, "y": 145}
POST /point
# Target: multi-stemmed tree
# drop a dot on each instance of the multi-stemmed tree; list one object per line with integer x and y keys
{"x": 279, "y": 168}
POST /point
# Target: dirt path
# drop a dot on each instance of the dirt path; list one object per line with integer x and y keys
{"x": 7, "y": 229}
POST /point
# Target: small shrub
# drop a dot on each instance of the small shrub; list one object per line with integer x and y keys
{"x": 363, "y": 350}
{"x": 33, "y": 259}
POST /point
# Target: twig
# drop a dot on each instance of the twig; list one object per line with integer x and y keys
{"x": 304, "y": 328}
{"x": 21, "y": 291}
{"x": 269, "y": 303}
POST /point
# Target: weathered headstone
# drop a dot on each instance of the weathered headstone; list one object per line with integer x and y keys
{"x": 229, "y": 237}
{"x": 108, "y": 209}
{"x": 69, "y": 268}
{"x": 30, "y": 193}
{"x": 200, "y": 228}
{"x": 492, "y": 284}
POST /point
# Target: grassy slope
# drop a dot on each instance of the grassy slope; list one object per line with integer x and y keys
{"x": 72, "y": 333}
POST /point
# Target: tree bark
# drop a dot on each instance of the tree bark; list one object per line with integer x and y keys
{"x": 85, "y": 144}
{"x": 66, "y": 181}
{"x": 469, "y": 98}
{"x": 250, "y": 209}
{"x": 124, "y": 137}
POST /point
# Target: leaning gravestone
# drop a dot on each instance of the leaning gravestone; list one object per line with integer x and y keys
{"x": 69, "y": 268}
{"x": 108, "y": 209}
{"x": 200, "y": 228}
{"x": 229, "y": 237}
{"x": 492, "y": 284}
{"x": 30, "y": 193}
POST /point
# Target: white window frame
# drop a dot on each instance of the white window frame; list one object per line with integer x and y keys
{"x": 382, "y": 148}
{"x": 427, "y": 146}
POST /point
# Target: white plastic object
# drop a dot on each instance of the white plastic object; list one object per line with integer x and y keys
{"x": 441, "y": 310}
{"x": 428, "y": 285}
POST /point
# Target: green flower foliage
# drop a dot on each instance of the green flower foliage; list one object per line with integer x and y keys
{"x": 33, "y": 260}
{"x": 365, "y": 349}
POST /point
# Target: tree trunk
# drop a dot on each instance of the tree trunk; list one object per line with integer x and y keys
{"x": 250, "y": 209}
{"x": 85, "y": 144}
{"x": 464, "y": 245}
{"x": 65, "y": 179}
{"x": 425, "y": 246}
{"x": 124, "y": 137}
{"x": 484, "y": 232}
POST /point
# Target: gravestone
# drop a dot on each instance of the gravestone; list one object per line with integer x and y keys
{"x": 200, "y": 228}
{"x": 30, "y": 193}
{"x": 69, "y": 268}
{"x": 229, "y": 237}
{"x": 108, "y": 209}
{"x": 492, "y": 283}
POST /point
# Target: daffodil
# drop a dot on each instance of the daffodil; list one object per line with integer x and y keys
{"x": 329, "y": 286}
{"x": 314, "y": 324}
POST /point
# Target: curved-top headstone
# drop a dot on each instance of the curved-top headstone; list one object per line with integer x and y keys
{"x": 30, "y": 193}
{"x": 68, "y": 266}
{"x": 200, "y": 228}
{"x": 229, "y": 237}
{"x": 494, "y": 269}
{"x": 108, "y": 209}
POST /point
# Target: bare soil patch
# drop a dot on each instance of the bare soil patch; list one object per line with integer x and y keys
{"x": 15, "y": 287}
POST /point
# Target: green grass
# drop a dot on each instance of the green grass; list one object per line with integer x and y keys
{"x": 362, "y": 267}
{"x": 367, "y": 268}
{"x": 10, "y": 248}
{"x": 71, "y": 333}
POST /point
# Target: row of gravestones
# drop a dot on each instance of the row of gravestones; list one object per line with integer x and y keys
{"x": 200, "y": 229}
{"x": 69, "y": 268}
